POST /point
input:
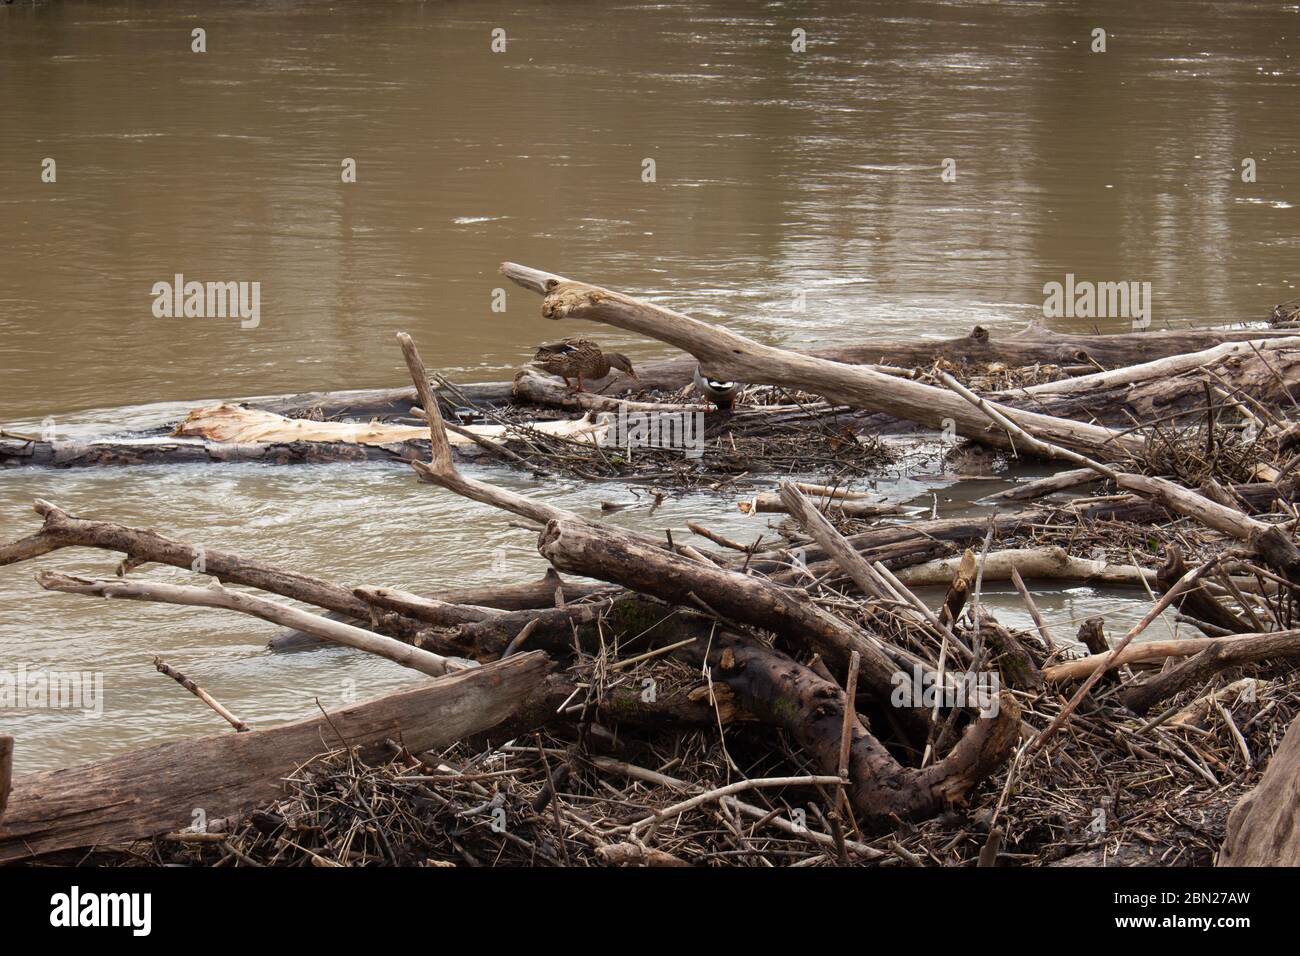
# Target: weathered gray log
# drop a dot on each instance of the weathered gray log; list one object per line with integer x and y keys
{"x": 1273, "y": 543}
{"x": 173, "y": 451}
{"x": 728, "y": 355}
{"x": 1265, "y": 368}
{"x": 1035, "y": 343}
{"x": 217, "y": 596}
{"x": 1220, "y": 654}
{"x": 504, "y": 597}
{"x": 146, "y": 792}
{"x": 1061, "y": 481}
{"x": 62, "y": 530}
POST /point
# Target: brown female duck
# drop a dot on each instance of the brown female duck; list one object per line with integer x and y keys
{"x": 580, "y": 358}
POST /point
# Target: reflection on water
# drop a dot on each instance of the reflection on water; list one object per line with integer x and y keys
{"x": 777, "y": 173}
{"x": 782, "y": 180}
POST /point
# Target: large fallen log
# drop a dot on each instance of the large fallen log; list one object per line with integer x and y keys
{"x": 1032, "y": 344}
{"x": 725, "y": 354}
{"x": 181, "y": 451}
{"x": 139, "y": 794}
{"x": 1219, "y": 654}
{"x": 1264, "y": 826}
{"x": 1267, "y": 369}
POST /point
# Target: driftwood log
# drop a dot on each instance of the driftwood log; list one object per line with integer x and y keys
{"x": 541, "y": 593}
{"x": 216, "y": 596}
{"x": 158, "y": 790}
{"x": 72, "y": 453}
{"x": 1264, "y": 826}
{"x": 141, "y": 546}
{"x": 726, "y": 354}
{"x": 1219, "y": 654}
{"x": 1266, "y": 369}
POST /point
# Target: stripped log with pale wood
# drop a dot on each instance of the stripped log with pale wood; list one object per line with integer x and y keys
{"x": 771, "y": 503}
{"x": 1050, "y": 562}
{"x": 1154, "y": 652}
{"x": 147, "y": 792}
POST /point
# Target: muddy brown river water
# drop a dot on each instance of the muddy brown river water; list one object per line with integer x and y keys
{"x": 797, "y": 196}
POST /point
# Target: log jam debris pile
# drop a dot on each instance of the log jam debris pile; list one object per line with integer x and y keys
{"x": 672, "y": 699}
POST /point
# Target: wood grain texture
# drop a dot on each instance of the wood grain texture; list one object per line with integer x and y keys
{"x": 1262, "y": 827}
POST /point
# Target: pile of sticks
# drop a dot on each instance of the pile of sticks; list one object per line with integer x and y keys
{"x": 787, "y": 702}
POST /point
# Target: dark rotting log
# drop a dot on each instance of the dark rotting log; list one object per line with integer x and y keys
{"x": 1011, "y": 657}
{"x": 1196, "y": 602}
{"x": 780, "y": 691}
